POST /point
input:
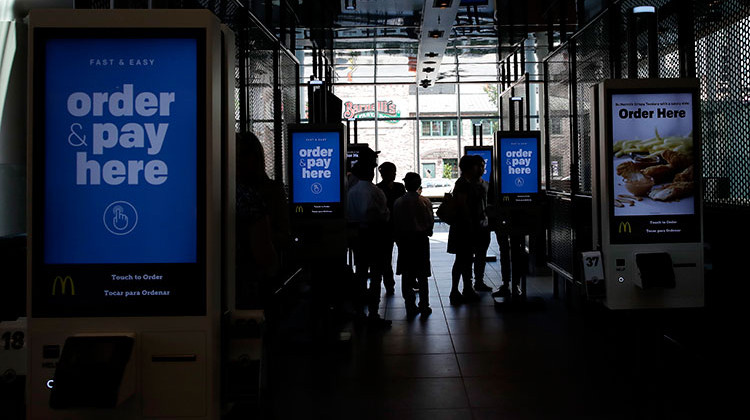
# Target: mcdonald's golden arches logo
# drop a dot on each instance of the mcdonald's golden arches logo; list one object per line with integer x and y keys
{"x": 299, "y": 209}
{"x": 63, "y": 285}
{"x": 624, "y": 227}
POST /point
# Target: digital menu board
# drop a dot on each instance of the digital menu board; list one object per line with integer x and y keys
{"x": 119, "y": 117}
{"x": 518, "y": 164}
{"x": 653, "y": 174}
{"x": 316, "y": 170}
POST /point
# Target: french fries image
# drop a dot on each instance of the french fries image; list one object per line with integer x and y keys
{"x": 655, "y": 145}
{"x": 661, "y": 168}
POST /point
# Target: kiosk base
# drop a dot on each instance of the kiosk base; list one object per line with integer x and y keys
{"x": 519, "y": 304}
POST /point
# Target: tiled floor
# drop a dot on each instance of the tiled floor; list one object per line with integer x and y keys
{"x": 475, "y": 362}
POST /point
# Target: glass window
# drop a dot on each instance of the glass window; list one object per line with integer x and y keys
{"x": 450, "y": 168}
{"x": 426, "y": 131}
{"x": 428, "y": 170}
{"x": 439, "y": 128}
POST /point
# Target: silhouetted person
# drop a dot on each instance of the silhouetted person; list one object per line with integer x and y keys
{"x": 483, "y": 234}
{"x": 257, "y": 259}
{"x": 414, "y": 221}
{"x": 392, "y": 190}
{"x": 367, "y": 210}
{"x": 466, "y": 233}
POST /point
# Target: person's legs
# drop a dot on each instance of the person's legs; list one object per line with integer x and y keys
{"x": 480, "y": 260}
{"x": 374, "y": 251}
{"x": 503, "y": 241}
{"x": 373, "y": 292}
{"x": 461, "y": 269}
{"x": 468, "y": 291}
{"x": 388, "y": 279}
{"x": 424, "y": 295}
{"x": 361, "y": 268}
{"x": 407, "y": 291}
{"x": 456, "y": 274}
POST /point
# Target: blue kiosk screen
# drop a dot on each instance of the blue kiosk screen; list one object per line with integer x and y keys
{"x": 117, "y": 127}
{"x": 518, "y": 165}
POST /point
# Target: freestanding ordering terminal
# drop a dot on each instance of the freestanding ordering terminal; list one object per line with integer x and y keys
{"x": 647, "y": 199}
{"x": 124, "y": 175}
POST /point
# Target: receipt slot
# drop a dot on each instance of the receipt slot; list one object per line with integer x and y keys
{"x": 125, "y": 213}
{"x": 647, "y": 199}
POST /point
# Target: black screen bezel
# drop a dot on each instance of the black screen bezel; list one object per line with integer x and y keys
{"x": 309, "y": 211}
{"x": 518, "y": 197}
{"x": 492, "y": 167}
{"x": 633, "y": 230}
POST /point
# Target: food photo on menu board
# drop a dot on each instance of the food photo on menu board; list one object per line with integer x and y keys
{"x": 652, "y": 152}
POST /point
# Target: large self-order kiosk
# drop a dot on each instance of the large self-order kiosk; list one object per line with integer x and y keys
{"x": 125, "y": 262}
{"x": 647, "y": 192}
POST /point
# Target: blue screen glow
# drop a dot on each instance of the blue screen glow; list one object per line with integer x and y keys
{"x": 517, "y": 163}
{"x": 120, "y": 151}
{"x": 487, "y": 156}
{"x": 316, "y": 162}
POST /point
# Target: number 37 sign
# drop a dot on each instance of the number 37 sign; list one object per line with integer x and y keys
{"x": 593, "y": 269}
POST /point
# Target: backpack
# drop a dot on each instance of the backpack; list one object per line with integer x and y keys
{"x": 446, "y": 212}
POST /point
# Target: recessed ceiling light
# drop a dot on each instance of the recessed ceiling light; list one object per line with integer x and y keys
{"x": 435, "y": 34}
{"x": 442, "y": 4}
{"x": 644, "y": 9}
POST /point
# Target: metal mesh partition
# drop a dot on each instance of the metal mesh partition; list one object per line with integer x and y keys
{"x": 288, "y": 67}
{"x": 723, "y": 65}
{"x": 505, "y": 101}
{"x": 258, "y": 76}
{"x": 669, "y": 52}
{"x": 558, "y": 130}
{"x": 592, "y": 48}
{"x": 664, "y": 35}
{"x": 519, "y": 90}
{"x": 560, "y": 248}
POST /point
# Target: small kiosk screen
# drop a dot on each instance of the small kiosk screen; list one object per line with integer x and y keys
{"x": 118, "y": 183}
{"x": 486, "y": 153}
{"x": 352, "y": 154}
{"x": 317, "y": 171}
{"x": 518, "y": 164}
{"x": 653, "y": 188}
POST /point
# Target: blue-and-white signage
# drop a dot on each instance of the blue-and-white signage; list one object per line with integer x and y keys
{"x": 120, "y": 151}
{"x": 518, "y": 165}
{"x": 317, "y": 167}
{"x": 486, "y": 154}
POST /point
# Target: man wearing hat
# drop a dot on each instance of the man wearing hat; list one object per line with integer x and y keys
{"x": 367, "y": 211}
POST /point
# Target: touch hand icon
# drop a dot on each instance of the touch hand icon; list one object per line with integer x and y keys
{"x": 120, "y": 218}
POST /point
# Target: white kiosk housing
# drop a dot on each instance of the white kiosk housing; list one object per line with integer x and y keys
{"x": 126, "y": 252}
{"x": 647, "y": 200}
